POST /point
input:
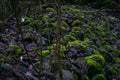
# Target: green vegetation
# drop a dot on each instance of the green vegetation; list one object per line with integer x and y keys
{"x": 46, "y": 38}
{"x": 15, "y": 48}
{"x": 100, "y": 77}
{"x": 95, "y": 62}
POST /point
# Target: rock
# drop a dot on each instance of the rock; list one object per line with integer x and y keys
{"x": 5, "y": 66}
{"x": 28, "y": 37}
{"x": 88, "y": 51}
{"x": 69, "y": 22}
{"x": 67, "y": 75}
{"x": 81, "y": 65}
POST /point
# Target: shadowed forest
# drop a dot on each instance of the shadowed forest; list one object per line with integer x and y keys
{"x": 59, "y": 39}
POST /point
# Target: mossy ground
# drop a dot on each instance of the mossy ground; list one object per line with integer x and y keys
{"x": 91, "y": 36}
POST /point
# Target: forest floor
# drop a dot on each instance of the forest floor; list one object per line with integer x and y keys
{"x": 90, "y": 45}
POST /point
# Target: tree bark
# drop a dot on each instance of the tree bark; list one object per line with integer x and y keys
{"x": 59, "y": 65}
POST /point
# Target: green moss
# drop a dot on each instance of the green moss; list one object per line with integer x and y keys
{"x": 86, "y": 40}
{"x": 84, "y": 77}
{"x": 96, "y": 52}
{"x": 29, "y": 36}
{"x": 62, "y": 50}
{"x": 77, "y": 29}
{"x": 63, "y": 30}
{"x": 100, "y": 77}
{"x": 28, "y": 19}
{"x": 79, "y": 43}
{"x": 103, "y": 42}
{"x": 49, "y": 9}
{"x": 117, "y": 60}
{"x": 95, "y": 63}
{"x": 65, "y": 24}
{"x": 91, "y": 32}
{"x": 37, "y": 23}
{"x": 88, "y": 26}
{"x": 5, "y": 59}
{"x": 54, "y": 25}
{"x": 117, "y": 52}
{"x": 84, "y": 44}
{"x": 108, "y": 47}
{"x": 70, "y": 37}
{"x": 95, "y": 48}
{"x": 76, "y": 22}
{"x": 114, "y": 70}
{"x": 18, "y": 50}
{"x": 45, "y": 30}
{"x": 44, "y": 53}
{"x": 74, "y": 10}
{"x": 46, "y": 17}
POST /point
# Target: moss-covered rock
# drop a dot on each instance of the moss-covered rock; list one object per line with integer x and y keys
{"x": 95, "y": 63}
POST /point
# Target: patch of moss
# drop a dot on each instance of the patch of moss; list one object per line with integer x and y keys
{"x": 49, "y": 9}
{"x": 86, "y": 40}
{"x": 114, "y": 70}
{"x": 88, "y": 26}
{"x": 44, "y": 53}
{"x": 117, "y": 60}
{"x": 109, "y": 48}
{"x": 45, "y": 30}
{"x": 65, "y": 24}
{"x": 91, "y": 32}
{"x": 29, "y": 36}
{"x": 96, "y": 52}
{"x": 18, "y": 50}
{"x": 117, "y": 52}
{"x": 99, "y": 77}
{"x": 74, "y": 10}
{"x": 76, "y": 22}
{"x": 85, "y": 77}
{"x": 5, "y": 59}
{"x": 46, "y": 17}
{"x": 63, "y": 30}
{"x": 37, "y": 23}
{"x": 95, "y": 63}
{"x": 28, "y": 19}
{"x": 81, "y": 44}
{"x": 54, "y": 25}
{"x": 70, "y": 37}
{"x": 77, "y": 29}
